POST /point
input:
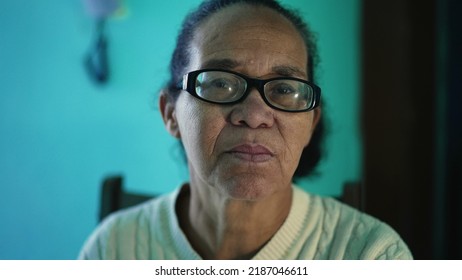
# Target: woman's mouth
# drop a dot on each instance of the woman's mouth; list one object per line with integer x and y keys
{"x": 252, "y": 153}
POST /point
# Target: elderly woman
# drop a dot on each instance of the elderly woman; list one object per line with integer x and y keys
{"x": 241, "y": 100}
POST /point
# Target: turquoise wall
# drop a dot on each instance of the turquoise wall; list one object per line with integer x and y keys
{"x": 60, "y": 134}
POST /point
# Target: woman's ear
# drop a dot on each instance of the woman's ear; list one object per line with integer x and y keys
{"x": 314, "y": 124}
{"x": 167, "y": 109}
{"x": 316, "y": 117}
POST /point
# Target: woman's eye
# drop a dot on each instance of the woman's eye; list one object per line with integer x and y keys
{"x": 221, "y": 84}
{"x": 283, "y": 89}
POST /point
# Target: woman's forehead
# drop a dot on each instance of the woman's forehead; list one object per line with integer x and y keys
{"x": 247, "y": 18}
{"x": 243, "y": 34}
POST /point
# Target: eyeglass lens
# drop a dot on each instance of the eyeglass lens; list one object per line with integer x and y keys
{"x": 224, "y": 87}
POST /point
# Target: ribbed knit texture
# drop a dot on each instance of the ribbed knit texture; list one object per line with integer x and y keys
{"x": 316, "y": 228}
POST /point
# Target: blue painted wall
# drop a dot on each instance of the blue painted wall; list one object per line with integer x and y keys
{"x": 60, "y": 134}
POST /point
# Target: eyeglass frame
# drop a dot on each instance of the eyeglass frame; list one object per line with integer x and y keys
{"x": 189, "y": 84}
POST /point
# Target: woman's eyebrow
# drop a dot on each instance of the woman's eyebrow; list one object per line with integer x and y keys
{"x": 231, "y": 64}
{"x": 288, "y": 71}
{"x": 225, "y": 63}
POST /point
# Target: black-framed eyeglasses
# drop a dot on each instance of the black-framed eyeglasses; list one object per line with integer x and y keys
{"x": 227, "y": 87}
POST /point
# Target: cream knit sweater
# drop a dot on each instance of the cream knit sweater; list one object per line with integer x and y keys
{"x": 316, "y": 228}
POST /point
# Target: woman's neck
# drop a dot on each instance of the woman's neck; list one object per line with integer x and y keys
{"x": 226, "y": 228}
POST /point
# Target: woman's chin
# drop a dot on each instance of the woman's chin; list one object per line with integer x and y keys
{"x": 247, "y": 189}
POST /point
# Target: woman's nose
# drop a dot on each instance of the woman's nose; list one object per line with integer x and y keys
{"x": 252, "y": 112}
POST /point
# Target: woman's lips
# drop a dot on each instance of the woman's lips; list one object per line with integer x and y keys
{"x": 253, "y": 153}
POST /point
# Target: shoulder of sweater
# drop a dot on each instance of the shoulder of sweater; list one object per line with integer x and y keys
{"x": 126, "y": 234}
{"x": 127, "y": 218}
{"x": 377, "y": 239}
{"x": 126, "y": 224}
{"x": 335, "y": 210}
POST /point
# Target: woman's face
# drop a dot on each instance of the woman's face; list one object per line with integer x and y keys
{"x": 246, "y": 150}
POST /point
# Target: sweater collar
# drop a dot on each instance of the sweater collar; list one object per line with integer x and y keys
{"x": 278, "y": 248}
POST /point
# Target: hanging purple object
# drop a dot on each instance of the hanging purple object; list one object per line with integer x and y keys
{"x": 101, "y": 8}
{"x": 96, "y": 60}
